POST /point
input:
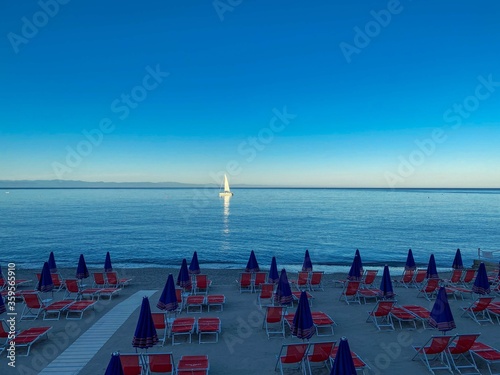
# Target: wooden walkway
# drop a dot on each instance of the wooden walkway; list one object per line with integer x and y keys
{"x": 78, "y": 354}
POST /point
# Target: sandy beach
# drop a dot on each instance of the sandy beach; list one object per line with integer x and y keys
{"x": 243, "y": 346}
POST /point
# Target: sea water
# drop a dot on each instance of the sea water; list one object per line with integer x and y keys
{"x": 160, "y": 227}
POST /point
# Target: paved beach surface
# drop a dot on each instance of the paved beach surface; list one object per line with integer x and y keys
{"x": 84, "y": 346}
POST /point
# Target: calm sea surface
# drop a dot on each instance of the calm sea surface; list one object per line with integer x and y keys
{"x": 159, "y": 227}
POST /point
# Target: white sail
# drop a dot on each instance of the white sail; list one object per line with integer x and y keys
{"x": 226, "y": 192}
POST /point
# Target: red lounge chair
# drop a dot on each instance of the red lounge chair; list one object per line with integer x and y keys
{"x": 460, "y": 291}
{"x": 359, "y": 364}
{"x": 478, "y": 310}
{"x": 107, "y": 292}
{"x": 494, "y": 310}
{"x": 19, "y": 282}
{"x": 114, "y": 281}
{"x": 208, "y": 326}
{"x": 460, "y": 354}
{"x": 202, "y": 283}
{"x": 160, "y": 363}
{"x": 260, "y": 278}
{"x": 419, "y": 277}
{"x": 33, "y": 306}
{"x": 429, "y": 289}
{"x": 273, "y": 322}
{"x": 350, "y": 292}
{"x": 245, "y": 282}
{"x": 266, "y": 292}
{"x": 56, "y": 308}
{"x": 216, "y": 300}
{"x": 296, "y": 297}
{"x": 302, "y": 282}
{"x": 78, "y": 308}
{"x": 57, "y": 280}
{"x": 131, "y": 363}
{"x": 455, "y": 278}
{"x": 468, "y": 277}
{"x": 433, "y": 353}
{"x": 180, "y": 300}
{"x": 73, "y": 288}
{"x": 406, "y": 278}
{"x": 160, "y": 323}
{"x": 99, "y": 280}
{"x": 182, "y": 326}
{"x": 291, "y": 354}
{"x": 4, "y": 333}
{"x": 29, "y": 336}
{"x": 195, "y": 302}
{"x": 380, "y": 315}
{"x": 368, "y": 278}
{"x": 193, "y": 365}
{"x": 421, "y": 313}
{"x": 402, "y": 315}
{"x": 315, "y": 283}
{"x": 373, "y": 293}
{"x": 324, "y": 322}
{"x": 487, "y": 353}
{"x": 319, "y": 352}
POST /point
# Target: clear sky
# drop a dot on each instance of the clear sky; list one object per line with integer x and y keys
{"x": 316, "y": 93}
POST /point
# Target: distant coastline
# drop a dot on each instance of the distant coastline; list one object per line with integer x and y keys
{"x": 77, "y": 184}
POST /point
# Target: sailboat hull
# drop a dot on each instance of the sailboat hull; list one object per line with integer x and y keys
{"x": 225, "y": 194}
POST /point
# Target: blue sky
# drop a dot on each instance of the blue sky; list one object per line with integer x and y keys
{"x": 368, "y": 94}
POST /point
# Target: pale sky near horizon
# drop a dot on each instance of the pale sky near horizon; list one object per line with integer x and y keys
{"x": 364, "y": 94}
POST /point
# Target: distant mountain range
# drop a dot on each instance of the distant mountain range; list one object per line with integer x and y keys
{"x": 75, "y": 184}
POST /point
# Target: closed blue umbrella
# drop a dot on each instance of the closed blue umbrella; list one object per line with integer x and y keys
{"x": 168, "y": 299}
{"x": 283, "y": 295}
{"x": 81, "y": 271}
{"x": 107, "y": 263}
{"x": 183, "y": 279}
{"x": 302, "y": 325}
{"x": 114, "y": 365}
{"x": 457, "y": 262}
{"x": 52, "y": 263}
{"x": 441, "y": 316}
{"x": 355, "y": 272}
{"x": 432, "y": 272}
{"x": 343, "y": 363}
{"x": 145, "y": 332}
{"x": 359, "y": 260}
{"x": 194, "y": 266}
{"x": 410, "y": 262}
{"x": 307, "y": 265}
{"x": 45, "y": 284}
{"x": 2, "y": 305}
{"x": 252, "y": 265}
{"x": 386, "y": 290}
{"x": 481, "y": 284}
{"x": 274, "y": 276}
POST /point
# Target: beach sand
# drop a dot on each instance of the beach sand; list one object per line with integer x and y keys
{"x": 243, "y": 346}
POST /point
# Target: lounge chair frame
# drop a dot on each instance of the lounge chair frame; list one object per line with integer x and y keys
{"x": 381, "y": 315}
{"x": 436, "y": 347}
{"x": 292, "y": 354}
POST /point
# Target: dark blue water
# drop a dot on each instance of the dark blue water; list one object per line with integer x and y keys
{"x": 159, "y": 227}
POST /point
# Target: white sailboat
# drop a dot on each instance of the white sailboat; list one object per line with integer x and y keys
{"x": 227, "y": 192}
